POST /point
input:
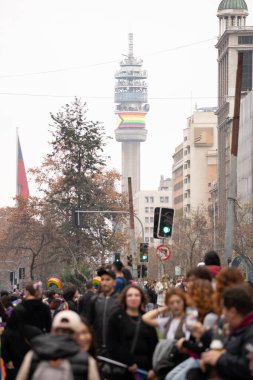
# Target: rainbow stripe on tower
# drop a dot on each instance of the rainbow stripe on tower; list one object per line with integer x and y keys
{"x": 131, "y": 120}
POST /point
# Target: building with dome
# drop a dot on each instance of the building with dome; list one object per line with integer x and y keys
{"x": 234, "y": 36}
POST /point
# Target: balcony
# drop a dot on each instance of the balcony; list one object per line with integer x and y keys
{"x": 143, "y": 74}
{"x": 130, "y": 97}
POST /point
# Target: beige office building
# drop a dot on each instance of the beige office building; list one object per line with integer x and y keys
{"x": 234, "y": 37}
{"x": 195, "y": 162}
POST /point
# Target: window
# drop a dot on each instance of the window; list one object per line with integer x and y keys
{"x": 185, "y": 138}
{"x": 178, "y": 186}
{"x": 146, "y": 220}
{"x": 146, "y": 209}
{"x": 185, "y": 180}
{"x": 151, "y": 240}
{"x": 166, "y": 199}
{"x": 245, "y": 40}
{"x": 151, "y": 199}
{"x": 146, "y": 199}
{"x": 178, "y": 199}
{"x": 185, "y": 166}
{"x": 247, "y": 71}
{"x": 151, "y": 209}
{"x": 161, "y": 199}
{"x": 185, "y": 195}
{"x": 152, "y": 230}
{"x": 146, "y": 240}
{"x": 146, "y": 230}
{"x": 151, "y": 219}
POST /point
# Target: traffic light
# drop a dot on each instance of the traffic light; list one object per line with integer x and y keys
{"x": 143, "y": 252}
{"x": 12, "y": 277}
{"x": 166, "y": 222}
{"x": 21, "y": 273}
{"x": 156, "y": 221}
{"x": 116, "y": 256}
{"x": 144, "y": 271}
{"x": 163, "y": 222}
{"x": 139, "y": 270}
{"x": 130, "y": 260}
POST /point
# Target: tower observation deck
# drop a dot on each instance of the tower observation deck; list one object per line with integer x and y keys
{"x": 131, "y": 99}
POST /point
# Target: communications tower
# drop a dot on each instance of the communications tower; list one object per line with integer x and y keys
{"x": 131, "y": 98}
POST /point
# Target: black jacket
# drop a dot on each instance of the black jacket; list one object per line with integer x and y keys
{"x": 35, "y": 313}
{"x": 120, "y": 336}
{"x": 53, "y": 347}
{"x": 101, "y": 308}
{"x": 234, "y": 364}
{"x": 84, "y": 303}
{"x": 16, "y": 343}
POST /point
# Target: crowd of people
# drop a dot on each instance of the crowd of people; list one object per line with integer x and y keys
{"x": 200, "y": 327}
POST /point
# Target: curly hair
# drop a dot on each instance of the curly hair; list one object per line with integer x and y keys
{"x": 200, "y": 296}
{"x": 175, "y": 292}
{"x": 227, "y": 277}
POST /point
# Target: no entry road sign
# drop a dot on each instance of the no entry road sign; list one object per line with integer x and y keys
{"x": 163, "y": 252}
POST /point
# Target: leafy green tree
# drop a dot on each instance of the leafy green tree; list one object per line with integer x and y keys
{"x": 74, "y": 176}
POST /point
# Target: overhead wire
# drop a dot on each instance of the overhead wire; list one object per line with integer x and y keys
{"x": 102, "y": 63}
{"x": 103, "y": 97}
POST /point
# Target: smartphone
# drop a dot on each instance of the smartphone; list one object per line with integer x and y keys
{"x": 191, "y": 317}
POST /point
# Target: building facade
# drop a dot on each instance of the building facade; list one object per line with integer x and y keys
{"x": 144, "y": 207}
{"x": 131, "y": 108}
{"x": 195, "y": 162}
{"x": 234, "y": 36}
{"x": 245, "y": 151}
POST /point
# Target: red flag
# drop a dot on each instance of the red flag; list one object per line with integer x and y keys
{"x": 22, "y": 184}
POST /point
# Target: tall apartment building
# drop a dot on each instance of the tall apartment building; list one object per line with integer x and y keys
{"x": 195, "y": 162}
{"x": 245, "y": 151}
{"x": 144, "y": 205}
{"x": 234, "y": 37}
{"x": 178, "y": 178}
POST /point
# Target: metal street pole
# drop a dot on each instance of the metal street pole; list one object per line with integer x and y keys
{"x": 132, "y": 231}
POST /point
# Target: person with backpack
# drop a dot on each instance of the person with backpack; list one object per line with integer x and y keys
{"x": 120, "y": 282}
{"x": 58, "y": 355}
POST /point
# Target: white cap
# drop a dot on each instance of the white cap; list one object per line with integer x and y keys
{"x": 67, "y": 319}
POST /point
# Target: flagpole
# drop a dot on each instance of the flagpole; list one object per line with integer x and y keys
{"x": 17, "y": 162}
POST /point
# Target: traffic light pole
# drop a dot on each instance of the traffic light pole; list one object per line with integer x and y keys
{"x": 132, "y": 231}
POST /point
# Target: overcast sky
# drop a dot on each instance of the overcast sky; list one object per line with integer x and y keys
{"x": 53, "y": 50}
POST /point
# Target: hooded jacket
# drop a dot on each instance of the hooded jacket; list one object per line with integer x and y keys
{"x": 58, "y": 347}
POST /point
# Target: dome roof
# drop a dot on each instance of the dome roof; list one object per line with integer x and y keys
{"x": 232, "y": 4}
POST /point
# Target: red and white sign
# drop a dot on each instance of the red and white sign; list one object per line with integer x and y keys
{"x": 163, "y": 252}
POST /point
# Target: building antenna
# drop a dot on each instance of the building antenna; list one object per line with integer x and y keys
{"x": 131, "y": 45}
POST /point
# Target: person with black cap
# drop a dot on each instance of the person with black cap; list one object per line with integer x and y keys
{"x": 102, "y": 306}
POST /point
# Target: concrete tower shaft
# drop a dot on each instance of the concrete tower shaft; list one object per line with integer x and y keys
{"x": 131, "y": 108}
